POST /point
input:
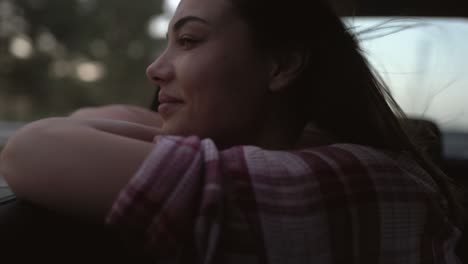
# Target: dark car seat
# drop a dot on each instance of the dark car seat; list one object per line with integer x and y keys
{"x": 29, "y": 232}
{"x": 429, "y": 138}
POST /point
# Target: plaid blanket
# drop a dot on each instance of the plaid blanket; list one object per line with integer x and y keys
{"x": 342, "y": 203}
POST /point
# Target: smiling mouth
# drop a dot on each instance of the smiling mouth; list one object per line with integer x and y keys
{"x": 168, "y": 105}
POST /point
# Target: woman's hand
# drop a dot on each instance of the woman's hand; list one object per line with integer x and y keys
{"x": 129, "y": 113}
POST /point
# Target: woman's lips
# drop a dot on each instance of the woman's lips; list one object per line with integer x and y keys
{"x": 165, "y": 98}
{"x": 168, "y": 104}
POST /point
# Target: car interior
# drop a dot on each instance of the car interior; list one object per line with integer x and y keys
{"x": 28, "y": 231}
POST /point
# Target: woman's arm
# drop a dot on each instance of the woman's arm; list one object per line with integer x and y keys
{"x": 75, "y": 165}
{"x": 130, "y": 113}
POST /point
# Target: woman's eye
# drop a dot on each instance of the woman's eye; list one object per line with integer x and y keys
{"x": 187, "y": 42}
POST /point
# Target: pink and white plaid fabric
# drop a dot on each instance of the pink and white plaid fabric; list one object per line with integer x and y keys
{"x": 343, "y": 203}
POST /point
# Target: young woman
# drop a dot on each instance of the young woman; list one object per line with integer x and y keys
{"x": 274, "y": 143}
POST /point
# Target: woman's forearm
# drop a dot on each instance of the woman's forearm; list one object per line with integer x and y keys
{"x": 76, "y": 166}
{"x": 129, "y": 113}
{"x": 120, "y": 128}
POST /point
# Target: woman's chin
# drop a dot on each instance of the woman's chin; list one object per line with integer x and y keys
{"x": 170, "y": 127}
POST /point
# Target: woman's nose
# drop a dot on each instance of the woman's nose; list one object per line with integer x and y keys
{"x": 160, "y": 71}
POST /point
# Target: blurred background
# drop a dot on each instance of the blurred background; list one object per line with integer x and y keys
{"x": 56, "y": 55}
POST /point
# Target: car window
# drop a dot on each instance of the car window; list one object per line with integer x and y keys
{"x": 424, "y": 61}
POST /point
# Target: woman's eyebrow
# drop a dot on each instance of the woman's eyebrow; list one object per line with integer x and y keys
{"x": 181, "y": 22}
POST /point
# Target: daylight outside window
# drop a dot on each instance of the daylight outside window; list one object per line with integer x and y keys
{"x": 425, "y": 63}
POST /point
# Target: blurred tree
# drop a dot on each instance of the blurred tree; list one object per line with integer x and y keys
{"x": 56, "y": 56}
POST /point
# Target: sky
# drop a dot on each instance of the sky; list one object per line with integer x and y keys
{"x": 425, "y": 65}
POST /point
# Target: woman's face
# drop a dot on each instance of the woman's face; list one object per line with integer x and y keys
{"x": 213, "y": 82}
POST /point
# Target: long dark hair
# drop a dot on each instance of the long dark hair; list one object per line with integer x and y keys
{"x": 337, "y": 89}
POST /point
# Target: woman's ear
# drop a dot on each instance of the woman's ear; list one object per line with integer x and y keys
{"x": 285, "y": 69}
